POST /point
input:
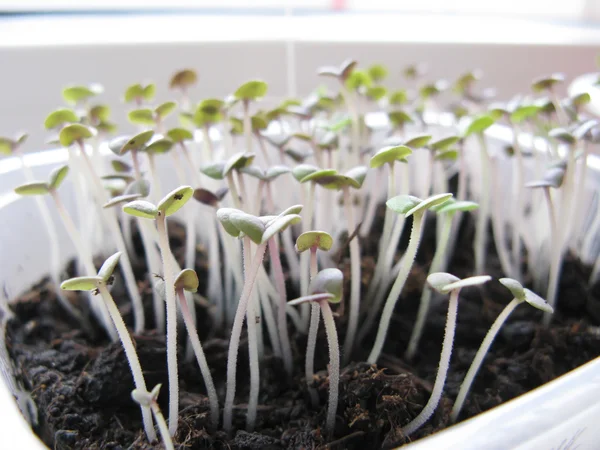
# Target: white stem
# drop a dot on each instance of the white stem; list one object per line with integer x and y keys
{"x": 334, "y": 364}
{"x": 407, "y": 262}
{"x": 484, "y": 205}
{"x": 371, "y": 209}
{"x": 311, "y": 343}
{"x": 169, "y": 274}
{"x": 354, "y": 278}
{"x": 236, "y": 331}
{"x": 131, "y": 354}
{"x": 156, "y": 190}
{"x": 437, "y": 265}
{"x": 476, "y": 364}
{"x": 499, "y": 233}
{"x": 247, "y": 125}
{"x": 162, "y": 427}
{"x": 200, "y": 358}
{"x": 281, "y": 315}
{"x": 153, "y": 262}
{"x": 440, "y": 378}
{"x": 235, "y": 197}
{"x": 215, "y": 278}
{"x": 519, "y": 205}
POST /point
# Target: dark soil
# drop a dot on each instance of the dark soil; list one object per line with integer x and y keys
{"x": 81, "y": 383}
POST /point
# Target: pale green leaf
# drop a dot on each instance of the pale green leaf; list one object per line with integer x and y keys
{"x": 174, "y": 200}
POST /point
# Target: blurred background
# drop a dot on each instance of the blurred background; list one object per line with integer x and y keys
{"x": 48, "y": 44}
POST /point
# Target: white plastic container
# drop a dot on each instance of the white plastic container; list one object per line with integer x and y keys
{"x": 560, "y": 415}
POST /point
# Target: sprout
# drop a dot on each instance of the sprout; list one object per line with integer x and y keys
{"x": 50, "y": 187}
{"x": 476, "y": 127}
{"x": 282, "y": 222}
{"x": 138, "y": 93}
{"x": 169, "y": 205}
{"x": 444, "y": 283}
{"x": 76, "y": 95}
{"x": 153, "y": 117}
{"x": 313, "y": 241}
{"x": 327, "y": 287}
{"x": 342, "y": 74}
{"x": 447, "y": 211}
{"x": 406, "y": 205}
{"x": 353, "y": 178}
{"x": 150, "y": 400}
{"x": 187, "y": 280}
{"x": 553, "y": 178}
{"x": 99, "y": 284}
{"x": 520, "y": 295}
{"x": 251, "y": 228}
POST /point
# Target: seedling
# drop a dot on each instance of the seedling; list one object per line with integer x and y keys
{"x": 342, "y": 74}
{"x": 38, "y": 188}
{"x": 98, "y": 284}
{"x": 353, "y": 178}
{"x": 275, "y": 226}
{"x": 521, "y": 295}
{"x": 327, "y": 287}
{"x": 446, "y": 212}
{"x": 406, "y": 205}
{"x": 150, "y": 400}
{"x": 476, "y": 127}
{"x": 75, "y": 135}
{"x": 246, "y": 93}
{"x": 387, "y": 155}
{"x": 182, "y": 81}
{"x": 169, "y": 205}
{"x": 444, "y": 283}
{"x": 252, "y": 229}
{"x": 138, "y": 93}
{"x": 187, "y": 280}
{"x": 313, "y": 241}
{"x": 152, "y": 117}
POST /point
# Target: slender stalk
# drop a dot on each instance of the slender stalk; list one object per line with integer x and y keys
{"x": 498, "y": 228}
{"x": 353, "y": 109}
{"x": 476, "y": 364}
{"x": 482, "y": 217}
{"x": 286, "y": 237}
{"x": 440, "y": 377}
{"x": 162, "y": 426}
{"x": 562, "y": 234}
{"x": 86, "y": 259}
{"x": 281, "y": 315}
{"x": 311, "y": 344}
{"x": 334, "y": 364}
{"x": 234, "y": 192}
{"x": 169, "y": 274}
{"x": 153, "y": 262}
{"x": 354, "y": 280}
{"x": 236, "y": 331}
{"x": 156, "y": 190}
{"x": 215, "y": 278}
{"x": 519, "y": 205}
{"x": 407, "y": 262}
{"x": 213, "y": 399}
{"x": 131, "y": 354}
{"x": 252, "y": 344}
{"x": 370, "y": 210}
{"x": 247, "y": 125}
{"x": 437, "y": 265}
